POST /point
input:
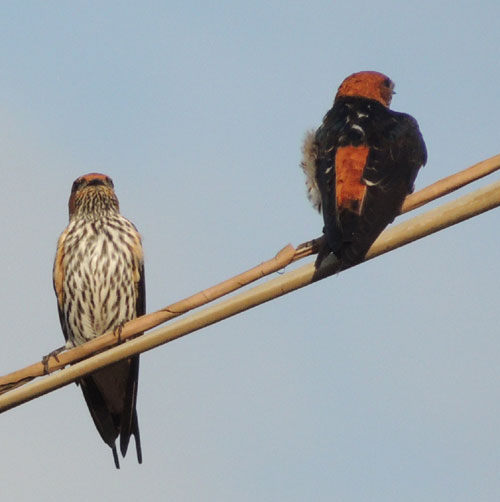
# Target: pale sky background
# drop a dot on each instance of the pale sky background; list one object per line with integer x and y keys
{"x": 381, "y": 383}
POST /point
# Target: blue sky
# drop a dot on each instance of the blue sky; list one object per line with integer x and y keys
{"x": 381, "y": 383}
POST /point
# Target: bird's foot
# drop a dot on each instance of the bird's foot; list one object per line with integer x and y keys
{"x": 54, "y": 354}
{"x": 117, "y": 331}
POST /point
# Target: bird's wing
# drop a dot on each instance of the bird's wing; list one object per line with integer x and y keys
{"x": 57, "y": 281}
{"x": 327, "y": 141}
{"x": 398, "y": 152}
{"x": 129, "y": 423}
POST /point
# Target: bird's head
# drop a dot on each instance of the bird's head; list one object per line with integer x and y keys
{"x": 93, "y": 196}
{"x": 369, "y": 85}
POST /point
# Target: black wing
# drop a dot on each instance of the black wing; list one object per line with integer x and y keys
{"x": 328, "y": 138}
{"x": 397, "y": 152}
{"x": 129, "y": 422}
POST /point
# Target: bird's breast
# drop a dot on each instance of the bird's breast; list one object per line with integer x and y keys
{"x": 99, "y": 286}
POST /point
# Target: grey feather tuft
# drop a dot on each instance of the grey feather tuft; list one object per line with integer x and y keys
{"x": 308, "y": 164}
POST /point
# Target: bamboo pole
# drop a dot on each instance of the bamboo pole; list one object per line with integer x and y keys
{"x": 148, "y": 321}
{"x": 283, "y": 258}
{"x": 418, "y": 227}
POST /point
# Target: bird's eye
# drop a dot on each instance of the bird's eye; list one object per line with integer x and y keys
{"x": 387, "y": 82}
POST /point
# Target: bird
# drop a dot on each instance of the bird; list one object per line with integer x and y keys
{"x": 98, "y": 278}
{"x": 360, "y": 164}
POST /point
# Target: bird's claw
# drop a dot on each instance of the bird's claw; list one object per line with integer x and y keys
{"x": 118, "y": 332}
{"x": 54, "y": 354}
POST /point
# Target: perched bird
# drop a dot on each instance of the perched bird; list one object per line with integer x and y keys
{"x": 360, "y": 165}
{"x": 99, "y": 284}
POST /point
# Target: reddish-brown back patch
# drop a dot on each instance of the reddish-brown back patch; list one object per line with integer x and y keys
{"x": 350, "y": 162}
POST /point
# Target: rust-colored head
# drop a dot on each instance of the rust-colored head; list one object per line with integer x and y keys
{"x": 369, "y": 85}
{"x": 92, "y": 195}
